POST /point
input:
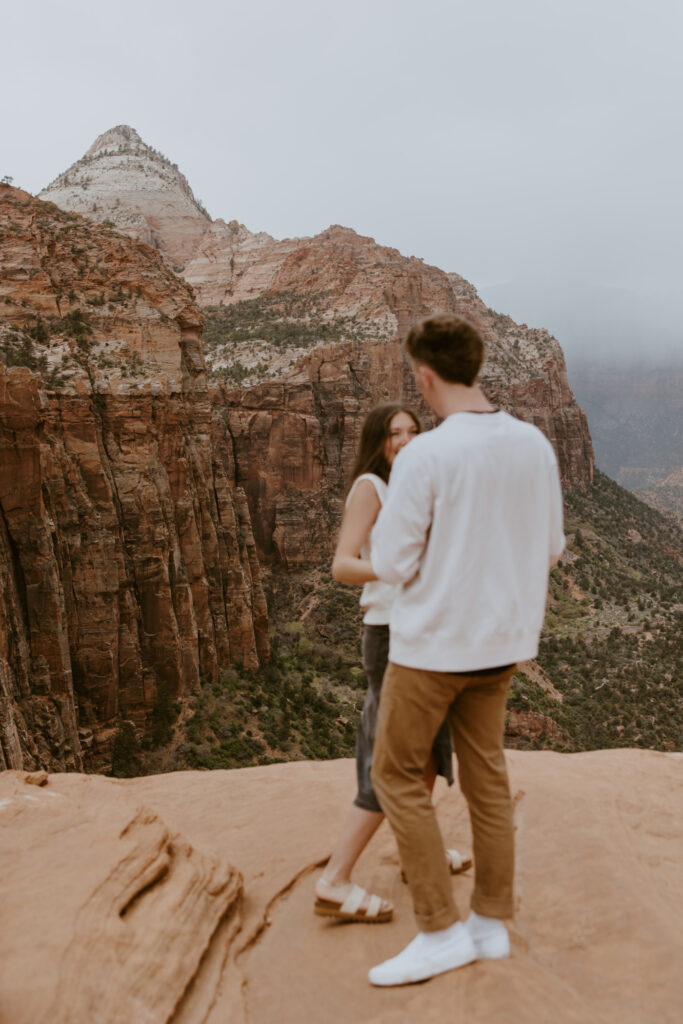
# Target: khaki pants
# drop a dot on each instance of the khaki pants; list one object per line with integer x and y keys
{"x": 413, "y": 706}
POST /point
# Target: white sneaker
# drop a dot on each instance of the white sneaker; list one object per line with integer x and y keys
{"x": 428, "y": 954}
{"x": 490, "y": 936}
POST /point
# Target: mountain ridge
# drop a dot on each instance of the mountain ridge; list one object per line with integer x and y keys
{"x": 128, "y": 184}
{"x": 322, "y": 333}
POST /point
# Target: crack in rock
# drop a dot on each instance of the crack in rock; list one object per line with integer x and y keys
{"x": 277, "y": 898}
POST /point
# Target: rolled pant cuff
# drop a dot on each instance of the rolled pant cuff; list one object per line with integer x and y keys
{"x": 438, "y": 921}
{"x": 489, "y": 906}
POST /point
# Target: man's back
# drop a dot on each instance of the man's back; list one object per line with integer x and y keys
{"x": 472, "y": 519}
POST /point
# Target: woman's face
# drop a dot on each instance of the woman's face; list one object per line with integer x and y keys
{"x": 402, "y": 429}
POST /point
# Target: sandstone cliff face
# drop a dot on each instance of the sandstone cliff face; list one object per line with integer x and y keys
{"x": 310, "y": 328}
{"x": 296, "y": 432}
{"x": 356, "y": 276}
{"x": 365, "y": 296}
{"x": 127, "y": 561}
{"x": 525, "y": 372}
{"x": 313, "y": 326}
{"x": 295, "y": 443}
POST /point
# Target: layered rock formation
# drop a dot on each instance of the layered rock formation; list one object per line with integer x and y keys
{"x": 297, "y": 431}
{"x": 337, "y": 286}
{"x": 146, "y": 479}
{"x": 188, "y": 898}
{"x": 136, "y": 900}
{"x": 310, "y": 327}
{"x": 127, "y": 563}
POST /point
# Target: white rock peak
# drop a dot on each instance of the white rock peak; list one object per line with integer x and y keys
{"x": 122, "y": 180}
{"x": 122, "y": 138}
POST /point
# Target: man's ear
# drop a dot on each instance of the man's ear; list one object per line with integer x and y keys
{"x": 425, "y": 376}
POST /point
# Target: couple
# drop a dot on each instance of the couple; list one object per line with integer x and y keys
{"x": 457, "y": 551}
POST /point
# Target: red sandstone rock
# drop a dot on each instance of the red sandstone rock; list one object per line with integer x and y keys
{"x": 126, "y": 553}
{"x": 296, "y": 438}
{"x": 295, "y": 427}
{"x": 139, "y": 485}
{"x": 115, "y": 923}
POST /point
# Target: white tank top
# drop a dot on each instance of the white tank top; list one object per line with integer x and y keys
{"x": 377, "y": 597}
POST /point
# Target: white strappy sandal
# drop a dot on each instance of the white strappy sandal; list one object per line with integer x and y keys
{"x": 350, "y": 909}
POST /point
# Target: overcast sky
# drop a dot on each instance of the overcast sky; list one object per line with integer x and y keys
{"x": 497, "y": 138}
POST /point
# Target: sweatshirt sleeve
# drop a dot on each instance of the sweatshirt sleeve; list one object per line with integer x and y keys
{"x": 399, "y": 536}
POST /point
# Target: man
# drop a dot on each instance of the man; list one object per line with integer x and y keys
{"x": 471, "y": 525}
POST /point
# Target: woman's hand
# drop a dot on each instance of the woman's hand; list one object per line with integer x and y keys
{"x": 359, "y": 518}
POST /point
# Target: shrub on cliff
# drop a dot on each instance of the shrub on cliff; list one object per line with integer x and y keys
{"x": 126, "y": 762}
{"x": 162, "y": 717}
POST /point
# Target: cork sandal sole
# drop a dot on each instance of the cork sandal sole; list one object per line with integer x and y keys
{"x": 351, "y": 910}
{"x": 326, "y": 908}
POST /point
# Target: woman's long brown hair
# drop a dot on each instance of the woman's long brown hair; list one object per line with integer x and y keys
{"x": 371, "y": 457}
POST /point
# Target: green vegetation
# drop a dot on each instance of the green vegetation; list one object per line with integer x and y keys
{"x": 126, "y": 763}
{"x": 22, "y": 345}
{"x": 283, "y": 322}
{"x": 303, "y": 703}
{"x": 610, "y": 646}
{"x": 17, "y": 347}
{"x": 75, "y": 325}
{"x": 161, "y": 718}
{"x": 612, "y": 638}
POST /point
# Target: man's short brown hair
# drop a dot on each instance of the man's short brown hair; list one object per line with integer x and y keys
{"x": 450, "y": 345}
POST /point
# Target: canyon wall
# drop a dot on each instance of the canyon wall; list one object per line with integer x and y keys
{"x": 155, "y": 455}
{"x": 127, "y": 562}
{"x": 268, "y": 303}
{"x": 296, "y": 431}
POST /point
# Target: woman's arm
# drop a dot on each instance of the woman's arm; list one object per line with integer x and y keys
{"x": 361, "y": 512}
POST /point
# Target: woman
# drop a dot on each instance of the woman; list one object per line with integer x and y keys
{"x": 386, "y": 430}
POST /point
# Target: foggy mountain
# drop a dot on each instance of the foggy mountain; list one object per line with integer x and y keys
{"x": 624, "y": 352}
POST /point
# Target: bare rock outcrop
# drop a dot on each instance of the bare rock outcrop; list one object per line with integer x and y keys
{"x": 356, "y": 277}
{"x": 136, "y": 913}
{"x": 125, "y": 922}
{"x": 127, "y": 561}
{"x": 344, "y": 286}
{"x": 296, "y": 438}
{"x": 124, "y": 181}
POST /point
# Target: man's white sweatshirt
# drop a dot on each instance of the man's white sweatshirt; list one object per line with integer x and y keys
{"x": 472, "y": 520}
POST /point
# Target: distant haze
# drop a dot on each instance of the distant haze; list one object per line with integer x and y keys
{"x": 597, "y": 323}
